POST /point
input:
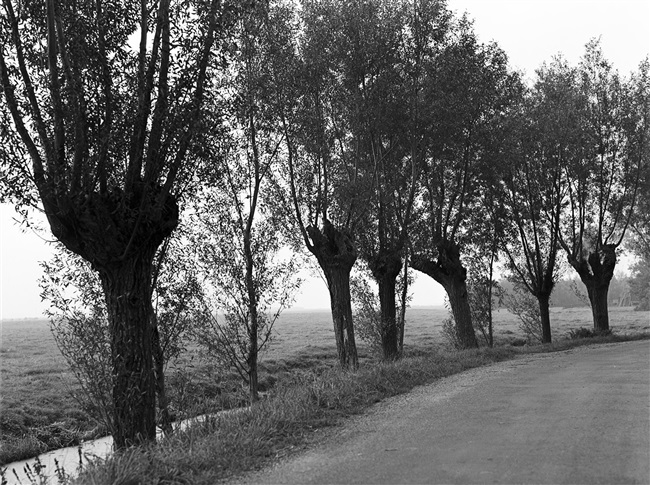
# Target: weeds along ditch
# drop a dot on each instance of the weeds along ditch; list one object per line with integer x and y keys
{"x": 302, "y": 387}
{"x": 289, "y": 418}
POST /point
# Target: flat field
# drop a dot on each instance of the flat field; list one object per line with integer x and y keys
{"x": 38, "y": 410}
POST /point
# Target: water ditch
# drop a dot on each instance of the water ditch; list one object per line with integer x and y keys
{"x": 69, "y": 460}
{"x": 66, "y": 459}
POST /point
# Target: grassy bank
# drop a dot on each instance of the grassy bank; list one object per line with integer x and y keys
{"x": 39, "y": 411}
{"x": 299, "y": 406}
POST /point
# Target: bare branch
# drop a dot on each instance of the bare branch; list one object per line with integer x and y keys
{"x": 57, "y": 159}
{"x": 29, "y": 87}
{"x": 8, "y": 90}
{"x": 107, "y": 125}
{"x": 78, "y": 107}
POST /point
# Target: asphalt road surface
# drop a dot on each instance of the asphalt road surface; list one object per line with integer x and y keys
{"x": 579, "y": 416}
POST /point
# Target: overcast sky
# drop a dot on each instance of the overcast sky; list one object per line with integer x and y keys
{"x": 529, "y": 31}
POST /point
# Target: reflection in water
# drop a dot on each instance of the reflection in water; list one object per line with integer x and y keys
{"x": 69, "y": 459}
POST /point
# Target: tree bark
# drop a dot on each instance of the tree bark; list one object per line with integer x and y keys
{"x": 389, "y": 331}
{"x": 385, "y": 269}
{"x": 599, "y": 309}
{"x": 456, "y": 288}
{"x": 338, "y": 282}
{"x": 448, "y": 270}
{"x": 119, "y": 235}
{"x": 596, "y": 272}
{"x": 127, "y": 290}
{"x": 545, "y": 314}
{"x": 336, "y": 254}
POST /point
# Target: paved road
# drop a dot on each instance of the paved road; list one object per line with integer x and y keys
{"x": 581, "y": 416}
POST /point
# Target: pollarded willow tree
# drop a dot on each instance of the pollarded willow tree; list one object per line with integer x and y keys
{"x": 469, "y": 89}
{"x": 383, "y": 49}
{"x": 603, "y": 179}
{"x": 320, "y": 177}
{"x": 101, "y": 130}
{"x": 366, "y": 51}
{"x": 81, "y": 330}
{"x": 548, "y": 137}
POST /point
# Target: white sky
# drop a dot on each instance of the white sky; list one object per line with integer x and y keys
{"x": 530, "y": 32}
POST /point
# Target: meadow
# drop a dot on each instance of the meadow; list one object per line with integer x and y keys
{"x": 39, "y": 410}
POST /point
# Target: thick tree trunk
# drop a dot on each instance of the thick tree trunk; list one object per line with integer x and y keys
{"x": 450, "y": 273}
{"x": 596, "y": 272}
{"x": 599, "y": 308}
{"x": 336, "y": 254}
{"x": 385, "y": 269}
{"x": 543, "y": 300}
{"x": 119, "y": 235}
{"x": 456, "y": 289}
{"x": 338, "y": 282}
{"x": 128, "y": 292}
{"x": 388, "y": 309}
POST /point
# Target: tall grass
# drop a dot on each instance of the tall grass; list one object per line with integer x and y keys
{"x": 226, "y": 445}
{"x": 39, "y": 411}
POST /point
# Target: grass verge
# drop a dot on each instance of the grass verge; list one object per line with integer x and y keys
{"x": 303, "y": 403}
{"x": 300, "y": 403}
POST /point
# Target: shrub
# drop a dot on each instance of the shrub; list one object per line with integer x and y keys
{"x": 526, "y": 307}
{"x": 367, "y": 318}
{"x": 587, "y": 333}
{"x": 449, "y": 332}
{"x": 366, "y": 307}
{"x": 222, "y": 446}
{"x": 80, "y": 325}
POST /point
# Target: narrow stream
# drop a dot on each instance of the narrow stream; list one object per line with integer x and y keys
{"x": 68, "y": 459}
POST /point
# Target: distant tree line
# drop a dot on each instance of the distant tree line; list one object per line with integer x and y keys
{"x": 571, "y": 293}
{"x": 183, "y": 145}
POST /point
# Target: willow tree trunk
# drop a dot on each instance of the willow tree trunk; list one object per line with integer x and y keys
{"x": 119, "y": 234}
{"x": 388, "y": 309}
{"x": 338, "y": 282}
{"x": 385, "y": 269}
{"x": 128, "y": 300}
{"x": 599, "y": 309}
{"x": 596, "y": 272}
{"x": 456, "y": 288}
{"x": 448, "y": 270}
{"x": 544, "y": 303}
{"x": 336, "y": 254}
